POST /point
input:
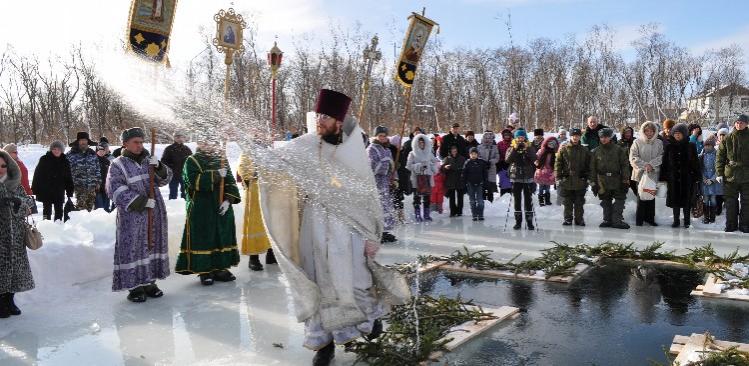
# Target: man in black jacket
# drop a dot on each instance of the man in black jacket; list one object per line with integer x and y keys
{"x": 453, "y": 138}
{"x": 174, "y": 157}
{"x": 590, "y": 138}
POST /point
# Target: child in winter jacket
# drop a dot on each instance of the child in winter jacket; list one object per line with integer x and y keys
{"x": 544, "y": 175}
{"x": 475, "y": 174}
{"x": 710, "y": 186}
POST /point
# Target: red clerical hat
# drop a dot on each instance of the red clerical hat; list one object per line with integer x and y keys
{"x": 333, "y": 104}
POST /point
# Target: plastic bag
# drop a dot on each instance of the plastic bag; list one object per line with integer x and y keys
{"x": 647, "y": 189}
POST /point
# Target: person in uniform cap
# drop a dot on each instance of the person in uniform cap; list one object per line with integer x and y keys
{"x": 453, "y": 138}
{"x": 610, "y": 173}
{"x": 323, "y": 213}
{"x": 572, "y": 171}
{"x": 732, "y": 168}
{"x": 139, "y": 258}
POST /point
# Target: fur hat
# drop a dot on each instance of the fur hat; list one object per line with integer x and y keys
{"x": 81, "y": 136}
{"x": 562, "y": 131}
{"x": 743, "y": 118}
{"x": 470, "y": 133}
{"x": 456, "y": 125}
{"x": 606, "y": 132}
{"x": 538, "y": 132}
{"x": 132, "y": 133}
{"x": 57, "y": 145}
{"x": 576, "y": 131}
{"x": 723, "y": 131}
{"x": 11, "y": 148}
{"x": 380, "y": 129}
{"x": 521, "y": 132}
{"x": 178, "y": 134}
{"x": 668, "y": 124}
{"x": 681, "y": 128}
{"x": 333, "y": 104}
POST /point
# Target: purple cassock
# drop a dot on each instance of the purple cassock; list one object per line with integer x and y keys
{"x": 135, "y": 264}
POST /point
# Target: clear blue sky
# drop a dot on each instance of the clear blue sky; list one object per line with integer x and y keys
{"x": 697, "y": 25}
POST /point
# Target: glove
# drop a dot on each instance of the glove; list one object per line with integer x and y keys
{"x": 153, "y": 161}
{"x": 151, "y": 203}
{"x": 223, "y": 208}
{"x": 719, "y": 180}
{"x": 371, "y": 248}
{"x": 222, "y": 172}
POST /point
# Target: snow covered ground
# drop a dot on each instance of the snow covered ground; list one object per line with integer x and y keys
{"x": 72, "y": 317}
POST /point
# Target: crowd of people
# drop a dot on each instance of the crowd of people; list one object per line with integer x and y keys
{"x": 341, "y": 297}
{"x": 700, "y": 173}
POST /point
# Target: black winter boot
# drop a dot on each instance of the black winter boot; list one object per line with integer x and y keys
{"x": 137, "y": 294}
{"x": 255, "y": 264}
{"x": 206, "y": 279}
{"x": 548, "y": 198}
{"x": 223, "y": 275}
{"x": 270, "y": 257}
{"x": 324, "y": 356}
{"x": 529, "y": 221}
{"x": 541, "y": 199}
{"x": 153, "y": 291}
{"x": 518, "y": 220}
{"x": 4, "y": 306}
{"x": 14, "y": 310}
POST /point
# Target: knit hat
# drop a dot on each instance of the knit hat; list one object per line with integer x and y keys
{"x": 538, "y": 132}
{"x": 333, "y": 104}
{"x": 521, "y": 132}
{"x": 11, "y": 148}
{"x": 178, "y": 134}
{"x": 57, "y": 145}
{"x": 576, "y": 131}
{"x": 470, "y": 133}
{"x": 606, "y": 132}
{"x": 743, "y": 118}
{"x": 132, "y": 133}
{"x": 681, "y": 128}
{"x": 723, "y": 131}
{"x": 381, "y": 129}
{"x": 473, "y": 150}
{"x": 668, "y": 124}
{"x": 712, "y": 141}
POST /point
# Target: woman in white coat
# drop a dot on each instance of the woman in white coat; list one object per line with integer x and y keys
{"x": 423, "y": 166}
{"x": 646, "y": 157}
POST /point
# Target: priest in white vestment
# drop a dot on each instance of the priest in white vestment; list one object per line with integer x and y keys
{"x": 322, "y": 211}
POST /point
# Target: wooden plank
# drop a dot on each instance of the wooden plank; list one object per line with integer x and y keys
{"x": 711, "y": 290}
{"x": 579, "y": 270}
{"x": 689, "y": 349}
{"x": 465, "y": 332}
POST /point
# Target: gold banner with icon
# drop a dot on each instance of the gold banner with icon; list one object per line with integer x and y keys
{"x": 419, "y": 29}
{"x": 150, "y": 27}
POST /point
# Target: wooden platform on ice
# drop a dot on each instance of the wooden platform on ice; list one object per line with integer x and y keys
{"x": 653, "y": 262}
{"x": 689, "y": 349}
{"x": 712, "y": 289}
{"x": 580, "y": 269}
{"x": 467, "y": 331}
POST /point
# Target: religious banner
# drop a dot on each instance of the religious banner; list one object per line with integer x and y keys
{"x": 417, "y": 35}
{"x": 150, "y": 27}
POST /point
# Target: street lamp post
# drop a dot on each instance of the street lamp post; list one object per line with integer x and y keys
{"x": 274, "y": 60}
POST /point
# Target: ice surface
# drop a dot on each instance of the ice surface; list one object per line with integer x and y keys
{"x": 72, "y": 317}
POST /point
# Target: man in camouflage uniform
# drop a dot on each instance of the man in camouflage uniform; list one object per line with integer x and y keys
{"x": 609, "y": 172}
{"x": 571, "y": 168}
{"x": 732, "y": 166}
{"x": 84, "y": 166}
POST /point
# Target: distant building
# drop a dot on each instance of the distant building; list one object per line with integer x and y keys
{"x": 723, "y": 103}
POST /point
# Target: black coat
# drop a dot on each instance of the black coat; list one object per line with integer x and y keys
{"x": 450, "y": 140}
{"x": 404, "y": 175}
{"x": 681, "y": 168}
{"x": 174, "y": 157}
{"x": 476, "y": 171}
{"x": 104, "y": 164}
{"x": 52, "y": 179}
{"x": 454, "y": 175}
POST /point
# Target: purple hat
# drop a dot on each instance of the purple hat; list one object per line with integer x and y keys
{"x": 332, "y": 103}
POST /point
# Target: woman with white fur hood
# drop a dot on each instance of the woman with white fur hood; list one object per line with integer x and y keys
{"x": 646, "y": 157}
{"x": 423, "y": 166}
